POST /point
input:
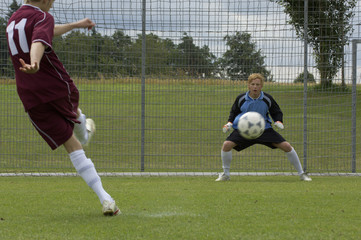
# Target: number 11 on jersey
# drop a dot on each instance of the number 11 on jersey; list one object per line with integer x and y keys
{"x": 22, "y": 37}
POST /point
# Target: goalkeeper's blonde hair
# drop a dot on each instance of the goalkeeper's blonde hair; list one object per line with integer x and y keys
{"x": 254, "y": 76}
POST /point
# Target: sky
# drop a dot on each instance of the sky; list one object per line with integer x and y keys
{"x": 207, "y": 22}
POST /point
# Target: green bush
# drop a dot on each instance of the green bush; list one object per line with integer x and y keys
{"x": 300, "y": 78}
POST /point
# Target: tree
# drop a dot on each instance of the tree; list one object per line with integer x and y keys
{"x": 242, "y": 58}
{"x": 4, "y": 55}
{"x": 5, "y": 68}
{"x": 12, "y": 8}
{"x": 120, "y": 53}
{"x": 79, "y": 52}
{"x": 193, "y": 60}
{"x": 159, "y": 55}
{"x": 300, "y": 78}
{"x": 328, "y": 31}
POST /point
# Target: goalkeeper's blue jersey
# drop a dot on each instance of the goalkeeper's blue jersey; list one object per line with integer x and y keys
{"x": 264, "y": 104}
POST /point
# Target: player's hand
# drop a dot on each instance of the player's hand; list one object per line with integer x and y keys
{"x": 279, "y": 125}
{"x": 227, "y": 127}
{"x": 29, "y": 68}
{"x": 85, "y": 23}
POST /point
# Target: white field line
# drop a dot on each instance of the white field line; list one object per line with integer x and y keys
{"x": 172, "y": 174}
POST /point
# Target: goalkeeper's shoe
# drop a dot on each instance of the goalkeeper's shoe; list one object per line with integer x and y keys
{"x": 90, "y": 127}
{"x": 110, "y": 209}
{"x": 304, "y": 177}
{"x": 223, "y": 177}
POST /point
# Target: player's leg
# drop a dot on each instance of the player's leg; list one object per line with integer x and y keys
{"x": 233, "y": 141}
{"x": 85, "y": 129}
{"x": 293, "y": 158}
{"x": 226, "y": 155}
{"x": 86, "y": 169}
{"x": 54, "y": 122}
{"x": 80, "y": 129}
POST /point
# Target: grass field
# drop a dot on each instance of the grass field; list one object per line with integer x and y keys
{"x": 183, "y": 121}
{"x": 271, "y": 207}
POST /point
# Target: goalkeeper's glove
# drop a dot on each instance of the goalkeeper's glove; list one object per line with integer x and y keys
{"x": 227, "y": 127}
{"x": 279, "y": 125}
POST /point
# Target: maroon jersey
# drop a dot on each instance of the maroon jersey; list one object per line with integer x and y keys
{"x": 27, "y": 25}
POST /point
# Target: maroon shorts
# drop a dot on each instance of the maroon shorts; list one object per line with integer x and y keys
{"x": 55, "y": 120}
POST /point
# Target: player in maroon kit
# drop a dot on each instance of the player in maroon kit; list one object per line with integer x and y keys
{"x": 47, "y": 92}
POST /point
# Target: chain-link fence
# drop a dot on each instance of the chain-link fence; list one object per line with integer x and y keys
{"x": 159, "y": 79}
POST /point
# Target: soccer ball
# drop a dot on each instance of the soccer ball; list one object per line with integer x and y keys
{"x": 251, "y": 125}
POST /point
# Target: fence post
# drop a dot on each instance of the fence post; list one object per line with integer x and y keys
{"x": 305, "y": 75}
{"x": 353, "y": 128}
{"x": 143, "y": 86}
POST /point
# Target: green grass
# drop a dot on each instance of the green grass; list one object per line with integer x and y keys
{"x": 273, "y": 207}
{"x": 183, "y": 122}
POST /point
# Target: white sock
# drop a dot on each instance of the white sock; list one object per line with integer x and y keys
{"x": 80, "y": 129}
{"x": 226, "y": 161}
{"x": 85, "y": 168}
{"x": 293, "y": 158}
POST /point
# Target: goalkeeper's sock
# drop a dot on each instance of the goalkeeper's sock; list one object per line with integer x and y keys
{"x": 293, "y": 158}
{"x": 85, "y": 168}
{"x": 80, "y": 128}
{"x": 226, "y": 161}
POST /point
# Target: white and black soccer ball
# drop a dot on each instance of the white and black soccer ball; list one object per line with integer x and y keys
{"x": 251, "y": 125}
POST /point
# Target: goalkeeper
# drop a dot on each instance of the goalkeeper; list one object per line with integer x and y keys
{"x": 257, "y": 101}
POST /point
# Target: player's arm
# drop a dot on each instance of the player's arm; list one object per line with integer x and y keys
{"x": 60, "y": 29}
{"x": 36, "y": 53}
{"x": 235, "y": 110}
{"x": 276, "y": 114}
